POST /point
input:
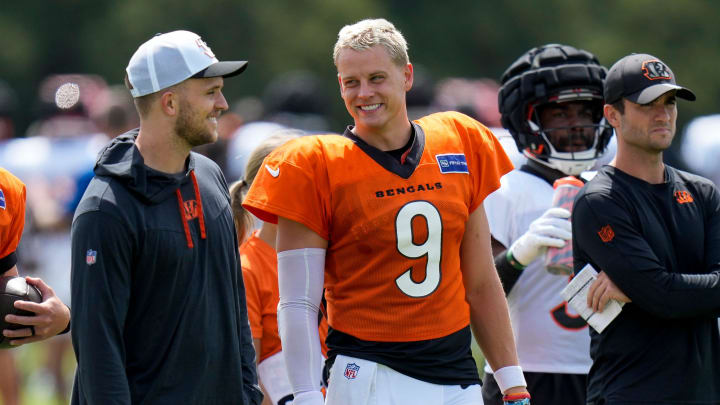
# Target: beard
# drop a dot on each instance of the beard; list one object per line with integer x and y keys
{"x": 193, "y": 128}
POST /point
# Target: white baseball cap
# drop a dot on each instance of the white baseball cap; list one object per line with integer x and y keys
{"x": 170, "y": 58}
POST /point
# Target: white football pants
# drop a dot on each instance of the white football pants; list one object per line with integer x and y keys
{"x": 355, "y": 381}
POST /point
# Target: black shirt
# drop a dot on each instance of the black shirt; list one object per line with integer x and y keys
{"x": 660, "y": 244}
{"x": 445, "y": 361}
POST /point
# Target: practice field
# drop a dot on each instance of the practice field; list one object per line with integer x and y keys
{"x": 479, "y": 358}
{"x": 37, "y": 386}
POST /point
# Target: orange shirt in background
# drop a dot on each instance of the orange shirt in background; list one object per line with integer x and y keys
{"x": 259, "y": 267}
{"x": 12, "y": 213}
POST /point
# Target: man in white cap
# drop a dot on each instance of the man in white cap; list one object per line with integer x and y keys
{"x": 651, "y": 231}
{"x": 156, "y": 282}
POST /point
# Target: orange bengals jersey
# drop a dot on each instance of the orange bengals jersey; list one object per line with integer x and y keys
{"x": 259, "y": 267}
{"x": 12, "y": 216}
{"x": 392, "y": 268}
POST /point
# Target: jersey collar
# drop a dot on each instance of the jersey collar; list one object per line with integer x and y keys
{"x": 404, "y": 170}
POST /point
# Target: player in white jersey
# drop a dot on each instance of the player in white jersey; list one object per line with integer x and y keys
{"x": 551, "y": 103}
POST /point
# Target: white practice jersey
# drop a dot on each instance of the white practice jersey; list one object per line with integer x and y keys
{"x": 550, "y": 338}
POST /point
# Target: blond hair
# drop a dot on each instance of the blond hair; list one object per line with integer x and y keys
{"x": 365, "y": 34}
{"x": 244, "y": 220}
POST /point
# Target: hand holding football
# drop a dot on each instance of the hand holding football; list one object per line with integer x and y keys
{"x": 14, "y": 289}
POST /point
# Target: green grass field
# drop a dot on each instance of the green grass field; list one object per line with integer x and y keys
{"x": 479, "y": 358}
{"x": 36, "y": 384}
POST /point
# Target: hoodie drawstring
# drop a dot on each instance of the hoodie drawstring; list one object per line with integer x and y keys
{"x": 201, "y": 217}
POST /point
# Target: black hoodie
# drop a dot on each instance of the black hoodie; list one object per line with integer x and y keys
{"x": 159, "y": 314}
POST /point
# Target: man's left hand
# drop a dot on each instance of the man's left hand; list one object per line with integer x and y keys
{"x": 602, "y": 290}
{"x": 51, "y": 316}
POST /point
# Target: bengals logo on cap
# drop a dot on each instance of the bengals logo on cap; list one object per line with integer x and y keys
{"x": 656, "y": 70}
{"x": 202, "y": 45}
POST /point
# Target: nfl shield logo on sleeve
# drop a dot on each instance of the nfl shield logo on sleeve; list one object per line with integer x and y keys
{"x": 2, "y": 199}
{"x": 90, "y": 257}
{"x": 351, "y": 371}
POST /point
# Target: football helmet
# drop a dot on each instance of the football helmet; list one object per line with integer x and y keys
{"x": 549, "y": 74}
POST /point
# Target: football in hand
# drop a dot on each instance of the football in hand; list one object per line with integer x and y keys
{"x": 14, "y": 289}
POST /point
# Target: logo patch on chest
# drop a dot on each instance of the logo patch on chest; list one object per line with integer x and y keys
{"x": 452, "y": 163}
{"x": 683, "y": 197}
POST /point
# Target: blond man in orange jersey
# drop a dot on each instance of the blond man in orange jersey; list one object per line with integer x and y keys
{"x": 389, "y": 219}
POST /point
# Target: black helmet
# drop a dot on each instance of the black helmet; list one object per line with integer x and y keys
{"x": 553, "y": 73}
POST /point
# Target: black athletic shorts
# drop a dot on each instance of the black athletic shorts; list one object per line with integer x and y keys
{"x": 544, "y": 388}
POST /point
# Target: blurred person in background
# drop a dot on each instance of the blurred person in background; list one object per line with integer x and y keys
{"x": 61, "y": 170}
{"x": 242, "y": 143}
{"x": 422, "y": 94}
{"x": 551, "y": 103}
{"x": 42, "y": 166}
{"x": 114, "y": 112}
{"x": 294, "y": 99}
{"x": 297, "y": 99}
{"x": 52, "y": 317}
{"x": 259, "y": 266}
{"x": 8, "y": 109}
{"x": 700, "y": 147}
{"x": 56, "y": 164}
{"x": 476, "y": 98}
{"x": 65, "y": 104}
{"x": 244, "y": 111}
{"x": 9, "y": 378}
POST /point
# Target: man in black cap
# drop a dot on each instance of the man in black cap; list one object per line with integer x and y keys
{"x": 157, "y": 290}
{"x": 652, "y": 232}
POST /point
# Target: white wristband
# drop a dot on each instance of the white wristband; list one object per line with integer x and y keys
{"x": 508, "y": 377}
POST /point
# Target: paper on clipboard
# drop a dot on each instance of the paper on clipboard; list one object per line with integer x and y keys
{"x": 576, "y": 292}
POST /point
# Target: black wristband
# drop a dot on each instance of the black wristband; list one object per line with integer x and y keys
{"x": 508, "y": 273}
{"x": 67, "y": 328}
